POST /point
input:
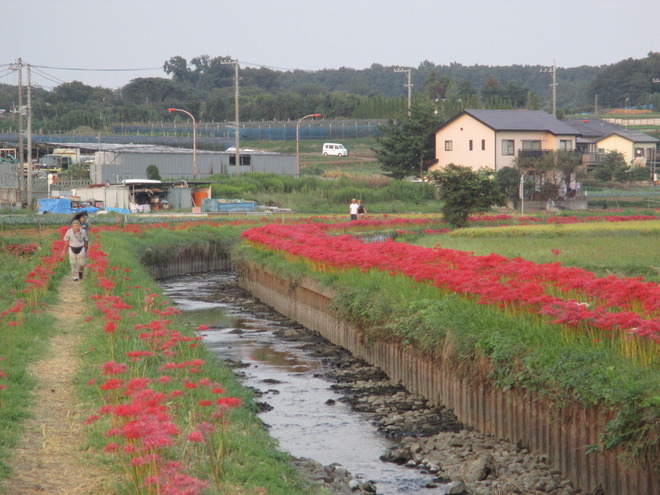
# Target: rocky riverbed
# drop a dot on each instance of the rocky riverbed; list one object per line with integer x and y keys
{"x": 427, "y": 438}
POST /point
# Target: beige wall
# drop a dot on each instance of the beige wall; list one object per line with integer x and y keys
{"x": 486, "y": 144}
{"x": 623, "y": 146}
{"x": 460, "y": 132}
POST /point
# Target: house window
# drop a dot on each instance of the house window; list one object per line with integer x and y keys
{"x": 508, "y": 146}
{"x": 531, "y": 145}
{"x": 483, "y": 145}
{"x": 471, "y": 145}
{"x": 449, "y": 145}
{"x": 564, "y": 144}
{"x": 245, "y": 160}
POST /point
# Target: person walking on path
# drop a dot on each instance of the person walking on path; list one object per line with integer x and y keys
{"x": 354, "y": 210}
{"x": 77, "y": 241}
{"x": 83, "y": 218}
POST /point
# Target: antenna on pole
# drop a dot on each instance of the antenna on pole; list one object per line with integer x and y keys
{"x": 553, "y": 70}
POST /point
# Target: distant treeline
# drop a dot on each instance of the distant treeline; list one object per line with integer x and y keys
{"x": 205, "y": 87}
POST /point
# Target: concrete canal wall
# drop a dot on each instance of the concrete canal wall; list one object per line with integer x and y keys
{"x": 563, "y": 435}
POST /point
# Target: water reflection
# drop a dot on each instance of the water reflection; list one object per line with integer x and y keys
{"x": 306, "y": 417}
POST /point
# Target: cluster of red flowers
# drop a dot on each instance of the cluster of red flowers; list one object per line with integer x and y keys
{"x": 570, "y": 296}
{"x": 20, "y": 249}
{"x": 144, "y": 413}
{"x": 36, "y": 285}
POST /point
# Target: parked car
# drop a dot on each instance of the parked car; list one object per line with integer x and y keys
{"x": 334, "y": 149}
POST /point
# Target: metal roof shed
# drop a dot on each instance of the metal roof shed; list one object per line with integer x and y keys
{"x": 115, "y": 163}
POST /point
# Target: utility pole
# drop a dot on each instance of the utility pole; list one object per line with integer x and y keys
{"x": 236, "y": 116}
{"x": 29, "y": 136}
{"x": 408, "y": 84}
{"x": 595, "y": 104}
{"x": 21, "y": 147}
{"x": 553, "y": 71}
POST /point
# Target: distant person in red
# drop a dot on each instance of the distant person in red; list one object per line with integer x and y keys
{"x": 362, "y": 211}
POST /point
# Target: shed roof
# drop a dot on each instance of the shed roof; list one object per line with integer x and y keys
{"x": 521, "y": 120}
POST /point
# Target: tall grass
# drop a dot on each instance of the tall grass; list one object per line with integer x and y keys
{"x": 313, "y": 195}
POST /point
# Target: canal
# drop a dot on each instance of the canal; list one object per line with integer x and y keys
{"x": 306, "y": 415}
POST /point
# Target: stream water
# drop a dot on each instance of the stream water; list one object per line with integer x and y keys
{"x": 306, "y": 417}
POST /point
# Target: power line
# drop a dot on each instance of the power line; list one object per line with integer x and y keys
{"x": 96, "y": 69}
{"x": 47, "y": 76}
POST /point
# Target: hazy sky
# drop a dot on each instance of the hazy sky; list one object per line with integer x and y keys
{"x": 122, "y": 36}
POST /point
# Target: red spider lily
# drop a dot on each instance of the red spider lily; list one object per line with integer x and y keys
{"x": 112, "y": 384}
{"x": 112, "y": 368}
{"x": 20, "y": 249}
{"x": 228, "y": 402}
{"x": 493, "y": 279}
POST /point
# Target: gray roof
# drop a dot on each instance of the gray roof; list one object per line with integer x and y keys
{"x": 634, "y": 136}
{"x": 521, "y": 120}
{"x": 596, "y": 129}
{"x": 593, "y": 128}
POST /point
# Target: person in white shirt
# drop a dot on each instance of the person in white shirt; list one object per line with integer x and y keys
{"x": 76, "y": 243}
{"x": 354, "y": 210}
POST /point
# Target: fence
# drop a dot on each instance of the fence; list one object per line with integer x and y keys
{"x": 213, "y": 136}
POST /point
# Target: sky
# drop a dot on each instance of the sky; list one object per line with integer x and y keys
{"x": 110, "y": 42}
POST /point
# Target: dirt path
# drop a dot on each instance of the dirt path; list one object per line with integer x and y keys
{"x": 50, "y": 458}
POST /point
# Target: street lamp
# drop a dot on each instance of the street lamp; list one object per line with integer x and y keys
{"x": 298, "y": 139}
{"x": 194, "y": 137}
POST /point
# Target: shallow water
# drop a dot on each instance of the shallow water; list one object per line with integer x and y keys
{"x": 306, "y": 418}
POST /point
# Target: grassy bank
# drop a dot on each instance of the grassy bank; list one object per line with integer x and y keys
{"x": 220, "y": 440}
{"x": 510, "y": 348}
{"x": 28, "y": 283}
{"x": 164, "y": 413}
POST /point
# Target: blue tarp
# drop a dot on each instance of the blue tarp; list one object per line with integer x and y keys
{"x": 227, "y": 205}
{"x": 54, "y": 205}
{"x": 117, "y": 210}
{"x": 61, "y": 205}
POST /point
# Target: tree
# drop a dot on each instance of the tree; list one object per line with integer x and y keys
{"x": 612, "y": 166}
{"x": 407, "y": 144}
{"x": 153, "y": 173}
{"x": 561, "y": 166}
{"x": 464, "y": 192}
{"x": 178, "y": 67}
{"x": 508, "y": 180}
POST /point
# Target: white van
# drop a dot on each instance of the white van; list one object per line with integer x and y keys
{"x": 334, "y": 149}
